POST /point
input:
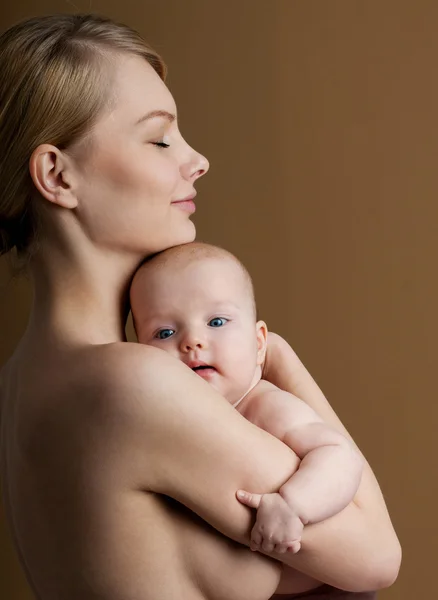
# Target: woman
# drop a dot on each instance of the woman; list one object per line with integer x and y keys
{"x": 119, "y": 465}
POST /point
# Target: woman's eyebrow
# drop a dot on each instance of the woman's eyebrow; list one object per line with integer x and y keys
{"x": 157, "y": 113}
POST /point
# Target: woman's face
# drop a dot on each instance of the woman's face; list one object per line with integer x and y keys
{"x": 135, "y": 169}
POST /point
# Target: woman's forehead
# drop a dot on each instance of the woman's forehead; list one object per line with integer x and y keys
{"x": 138, "y": 90}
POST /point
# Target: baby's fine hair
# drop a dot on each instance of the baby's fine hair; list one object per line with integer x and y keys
{"x": 188, "y": 253}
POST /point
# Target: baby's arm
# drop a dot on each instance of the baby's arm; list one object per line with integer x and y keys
{"x": 325, "y": 483}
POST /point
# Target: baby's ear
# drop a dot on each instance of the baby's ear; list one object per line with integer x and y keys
{"x": 262, "y": 341}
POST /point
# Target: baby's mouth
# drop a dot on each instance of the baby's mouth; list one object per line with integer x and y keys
{"x": 204, "y": 371}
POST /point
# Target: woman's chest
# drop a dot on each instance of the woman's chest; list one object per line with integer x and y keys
{"x": 220, "y": 567}
{"x": 225, "y": 569}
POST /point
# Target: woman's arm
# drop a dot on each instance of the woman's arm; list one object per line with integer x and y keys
{"x": 167, "y": 431}
{"x": 160, "y": 428}
{"x": 363, "y": 532}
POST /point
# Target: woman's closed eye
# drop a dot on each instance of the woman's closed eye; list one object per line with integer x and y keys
{"x": 163, "y": 143}
{"x": 164, "y": 334}
{"x": 217, "y": 322}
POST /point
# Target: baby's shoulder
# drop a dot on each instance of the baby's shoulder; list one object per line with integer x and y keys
{"x": 267, "y": 393}
{"x": 264, "y": 387}
{"x": 265, "y": 399}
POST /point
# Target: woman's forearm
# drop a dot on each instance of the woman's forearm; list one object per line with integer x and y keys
{"x": 204, "y": 451}
{"x": 355, "y": 550}
{"x": 358, "y": 548}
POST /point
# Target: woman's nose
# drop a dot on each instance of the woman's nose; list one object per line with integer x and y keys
{"x": 195, "y": 167}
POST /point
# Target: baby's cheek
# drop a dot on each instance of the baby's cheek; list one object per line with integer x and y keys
{"x": 142, "y": 339}
{"x": 143, "y": 331}
{"x": 239, "y": 376}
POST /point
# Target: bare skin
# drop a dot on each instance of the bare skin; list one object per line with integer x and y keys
{"x": 80, "y": 496}
{"x": 196, "y": 303}
{"x": 103, "y": 442}
{"x": 82, "y": 520}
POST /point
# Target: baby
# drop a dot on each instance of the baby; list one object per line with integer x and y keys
{"x": 196, "y": 302}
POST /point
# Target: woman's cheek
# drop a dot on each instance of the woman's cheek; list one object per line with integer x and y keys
{"x": 168, "y": 176}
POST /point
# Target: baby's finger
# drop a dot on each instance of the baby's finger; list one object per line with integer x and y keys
{"x": 267, "y": 545}
{"x": 251, "y": 500}
{"x": 256, "y": 538}
{"x": 293, "y": 547}
{"x": 280, "y": 548}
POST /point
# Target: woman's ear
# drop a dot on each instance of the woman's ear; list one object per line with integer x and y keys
{"x": 262, "y": 341}
{"x": 50, "y": 172}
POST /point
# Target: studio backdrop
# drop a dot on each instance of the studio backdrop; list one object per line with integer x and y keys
{"x": 320, "y": 123}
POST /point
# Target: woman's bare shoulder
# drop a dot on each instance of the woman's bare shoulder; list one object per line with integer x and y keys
{"x": 124, "y": 354}
{"x": 124, "y": 393}
{"x": 122, "y": 360}
{"x": 121, "y": 372}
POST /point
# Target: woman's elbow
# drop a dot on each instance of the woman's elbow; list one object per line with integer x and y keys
{"x": 389, "y": 568}
{"x": 383, "y": 570}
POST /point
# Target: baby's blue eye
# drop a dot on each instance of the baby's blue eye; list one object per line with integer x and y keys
{"x": 164, "y": 334}
{"x": 217, "y": 322}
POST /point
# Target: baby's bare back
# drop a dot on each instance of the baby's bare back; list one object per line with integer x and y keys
{"x": 81, "y": 525}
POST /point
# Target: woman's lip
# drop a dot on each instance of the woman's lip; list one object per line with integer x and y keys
{"x": 186, "y": 205}
{"x": 191, "y": 196}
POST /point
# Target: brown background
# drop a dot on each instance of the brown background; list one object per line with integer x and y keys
{"x": 320, "y": 122}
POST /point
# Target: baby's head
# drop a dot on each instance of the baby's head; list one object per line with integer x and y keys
{"x": 196, "y": 302}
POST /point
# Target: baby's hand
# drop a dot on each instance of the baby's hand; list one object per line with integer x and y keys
{"x": 278, "y": 528}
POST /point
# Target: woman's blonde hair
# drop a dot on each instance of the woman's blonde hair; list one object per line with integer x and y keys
{"x": 52, "y": 89}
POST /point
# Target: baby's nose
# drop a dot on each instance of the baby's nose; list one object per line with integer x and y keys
{"x": 193, "y": 341}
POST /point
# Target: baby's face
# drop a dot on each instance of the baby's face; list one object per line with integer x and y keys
{"x": 202, "y": 313}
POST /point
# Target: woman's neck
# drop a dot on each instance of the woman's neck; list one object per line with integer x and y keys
{"x": 80, "y": 301}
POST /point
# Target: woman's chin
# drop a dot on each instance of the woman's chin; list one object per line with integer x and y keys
{"x": 184, "y": 235}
